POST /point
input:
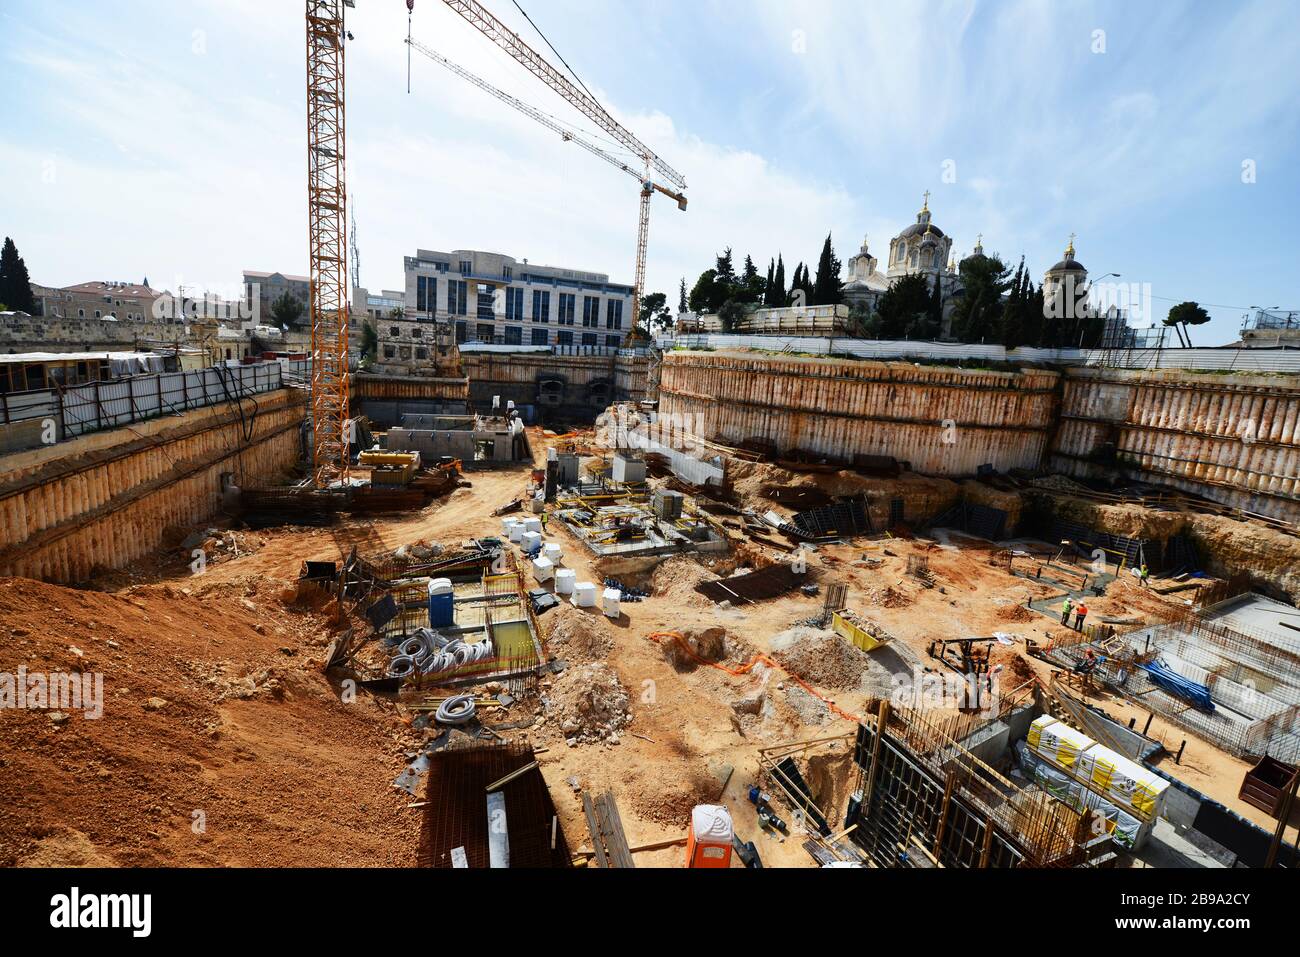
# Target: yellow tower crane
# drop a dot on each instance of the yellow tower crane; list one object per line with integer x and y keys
{"x": 483, "y": 20}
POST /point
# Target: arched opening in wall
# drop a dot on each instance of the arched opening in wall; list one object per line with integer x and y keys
{"x": 550, "y": 392}
{"x": 227, "y": 355}
{"x": 599, "y": 394}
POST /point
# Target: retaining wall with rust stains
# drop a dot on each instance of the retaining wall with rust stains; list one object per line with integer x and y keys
{"x": 1234, "y": 439}
{"x": 105, "y": 500}
{"x": 940, "y": 420}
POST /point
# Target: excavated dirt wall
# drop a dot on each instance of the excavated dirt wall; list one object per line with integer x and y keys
{"x": 104, "y": 500}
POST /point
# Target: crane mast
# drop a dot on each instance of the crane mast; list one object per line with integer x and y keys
{"x": 327, "y": 239}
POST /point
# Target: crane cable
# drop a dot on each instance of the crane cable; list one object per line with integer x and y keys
{"x": 555, "y": 51}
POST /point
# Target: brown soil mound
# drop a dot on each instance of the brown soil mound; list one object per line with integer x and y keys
{"x": 589, "y": 703}
{"x": 671, "y": 805}
{"x": 221, "y": 742}
{"x": 821, "y": 658}
{"x": 1016, "y": 613}
{"x": 707, "y": 644}
{"x": 579, "y": 637}
{"x": 889, "y": 597}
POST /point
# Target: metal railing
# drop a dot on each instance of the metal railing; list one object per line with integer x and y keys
{"x": 109, "y": 403}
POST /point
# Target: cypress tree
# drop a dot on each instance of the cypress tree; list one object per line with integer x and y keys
{"x": 15, "y": 283}
{"x": 778, "y": 283}
{"x": 826, "y": 290}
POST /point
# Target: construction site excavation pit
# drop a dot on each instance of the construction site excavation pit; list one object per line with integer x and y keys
{"x": 612, "y": 637}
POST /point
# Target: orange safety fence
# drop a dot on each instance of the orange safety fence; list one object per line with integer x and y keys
{"x": 749, "y": 665}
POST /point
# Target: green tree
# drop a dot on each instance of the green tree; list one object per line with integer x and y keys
{"x": 778, "y": 284}
{"x": 1183, "y": 315}
{"x": 15, "y": 283}
{"x": 903, "y": 306}
{"x": 655, "y": 315}
{"x": 934, "y": 315}
{"x": 702, "y": 296}
{"x": 826, "y": 290}
{"x": 369, "y": 341}
{"x": 767, "y": 286}
{"x": 750, "y": 289}
{"x": 977, "y": 316}
{"x": 730, "y": 315}
{"x": 287, "y": 310}
{"x": 681, "y": 297}
{"x": 397, "y": 312}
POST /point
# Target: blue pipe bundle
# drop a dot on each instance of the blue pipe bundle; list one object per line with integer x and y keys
{"x": 1177, "y": 685}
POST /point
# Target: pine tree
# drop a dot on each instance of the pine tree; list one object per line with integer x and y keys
{"x": 750, "y": 288}
{"x": 15, "y": 283}
{"x": 826, "y": 290}
{"x": 681, "y": 297}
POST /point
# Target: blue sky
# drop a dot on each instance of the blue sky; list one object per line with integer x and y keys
{"x": 167, "y": 138}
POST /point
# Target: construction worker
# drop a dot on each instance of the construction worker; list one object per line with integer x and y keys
{"x": 1065, "y": 611}
{"x": 545, "y": 516}
{"x": 1080, "y": 613}
{"x": 1144, "y": 576}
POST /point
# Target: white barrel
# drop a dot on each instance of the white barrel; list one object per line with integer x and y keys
{"x": 610, "y": 598}
{"x": 554, "y": 551}
{"x": 531, "y": 541}
{"x": 564, "y": 580}
{"x": 543, "y": 570}
{"x": 584, "y": 595}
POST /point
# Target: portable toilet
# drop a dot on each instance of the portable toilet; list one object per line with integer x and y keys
{"x": 543, "y": 570}
{"x": 709, "y": 843}
{"x": 610, "y": 598}
{"x": 564, "y": 580}
{"x": 517, "y": 532}
{"x": 442, "y": 610}
{"x": 531, "y": 542}
{"x": 584, "y": 595}
{"x": 554, "y": 551}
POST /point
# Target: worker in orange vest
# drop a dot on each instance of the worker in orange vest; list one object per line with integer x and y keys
{"x": 1080, "y": 613}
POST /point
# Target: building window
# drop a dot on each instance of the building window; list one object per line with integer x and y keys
{"x": 506, "y": 273}
{"x": 590, "y": 312}
{"x": 395, "y": 332}
{"x": 564, "y": 338}
{"x": 81, "y": 313}
{"x": 540, "y": 337}
{"x": 457, "y": 297}
{"x": 614, "y": 314}
{"x": 567, "y": 302}
{"x": 515, "y": 305}
{"x": 613, "y": 342}
{"x": 466, "y": 267}
{"x": 514, "y": 335}
{"x": 421, "y": 353}
{"x": 462, "y": 330}
{"x": 417, "y": 333}
{"x": 486, "y": 302}
{"x": 588, "y": 338}
{"x": 541, "y": 306}
{"x": 389, "y": 352}
{"x": 486, "y": 331}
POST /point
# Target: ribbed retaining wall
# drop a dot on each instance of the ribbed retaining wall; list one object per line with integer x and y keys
{"x": 105, "y": 500}
{"x": 1232, "y": 439}
{"x": 943, "y": 421}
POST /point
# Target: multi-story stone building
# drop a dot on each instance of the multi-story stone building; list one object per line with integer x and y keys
{"x": 488, "y": 297}
{"x": 108, "y": 300}
{"x": 261, "y": 289}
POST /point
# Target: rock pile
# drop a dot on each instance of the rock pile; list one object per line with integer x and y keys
{"x": 589, "y": 704}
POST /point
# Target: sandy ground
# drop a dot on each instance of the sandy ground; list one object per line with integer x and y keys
{"x": 285, "y": 773}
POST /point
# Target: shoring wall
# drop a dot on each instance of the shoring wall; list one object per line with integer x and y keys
{"x": 943, "y": 421}
{"x": 105, "y": 500}
{"x": 1234, "y": 439}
